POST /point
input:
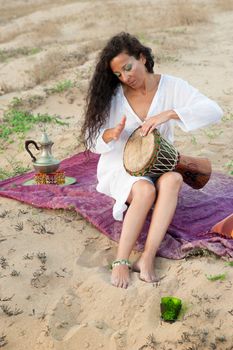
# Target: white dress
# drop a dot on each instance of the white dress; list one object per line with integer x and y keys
{"x": 194, "y": 110}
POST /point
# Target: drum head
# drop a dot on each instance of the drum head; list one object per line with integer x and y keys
{"x": 139, "y": 151}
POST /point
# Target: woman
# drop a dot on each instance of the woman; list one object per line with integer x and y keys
{"x": 125, "y": 94}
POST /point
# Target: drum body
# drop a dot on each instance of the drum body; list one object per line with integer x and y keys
{"x": 153, "y": 156}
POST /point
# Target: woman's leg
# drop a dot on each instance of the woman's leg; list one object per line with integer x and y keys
{"x": 168, "y": 186}
{"x": 141, "y": 199}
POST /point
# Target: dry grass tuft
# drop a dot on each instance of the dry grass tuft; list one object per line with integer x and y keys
{"x": 47, "y": 28}
{"x": 3, "y": 340}
{"x": 14, "y": 9}
{"x": 184, "y": 13}
{"x": 41, "y": 31}
{"x": 6, "y": 36}
{"x": 224, "y": 5}
{"x": 56, "y": 61}
{"x": 48, "y": 67}
{"x": 5, "y": 88}
{"x": 6, "y": 55}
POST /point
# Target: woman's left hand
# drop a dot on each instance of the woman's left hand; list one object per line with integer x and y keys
{"x": 150, "y": 124}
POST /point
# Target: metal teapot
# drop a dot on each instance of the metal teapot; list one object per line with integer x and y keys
{"x": 45, "y": 163}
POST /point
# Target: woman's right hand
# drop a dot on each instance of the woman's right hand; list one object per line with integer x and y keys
{"x": 114, "y": 133}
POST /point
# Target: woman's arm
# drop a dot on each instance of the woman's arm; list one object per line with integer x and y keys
{"x": 108, "y": 136}
{"x": 114, "y": 133}
{"x": 191, "y": 109}
{"x": 194, "y": 109}
{"x": 153, "y": 122}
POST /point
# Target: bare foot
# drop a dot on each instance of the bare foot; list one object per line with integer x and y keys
{"x": 145, "y": 266}
{"x": 120, "y": 276}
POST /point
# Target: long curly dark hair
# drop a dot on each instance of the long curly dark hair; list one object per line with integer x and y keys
{"x": 104, "y": 83}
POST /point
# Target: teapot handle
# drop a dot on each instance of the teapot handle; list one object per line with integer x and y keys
{"x": 27, "y": 143}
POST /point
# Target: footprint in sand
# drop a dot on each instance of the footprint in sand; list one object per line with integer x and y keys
{"x": 65, "y": 326}
{"x": 94, "y": 257}
{"x": 169, "y": 286}
{"x": 64, "y": 316}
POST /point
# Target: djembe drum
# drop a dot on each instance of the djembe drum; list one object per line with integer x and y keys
{"x": 153, "y": 156}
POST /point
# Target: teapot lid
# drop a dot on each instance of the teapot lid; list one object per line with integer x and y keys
{"x": 45, "y": 139}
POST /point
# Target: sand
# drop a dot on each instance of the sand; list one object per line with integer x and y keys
{"x": 55, "y": 290}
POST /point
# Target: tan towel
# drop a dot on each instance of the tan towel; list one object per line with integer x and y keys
{"x": 224, "y": 227}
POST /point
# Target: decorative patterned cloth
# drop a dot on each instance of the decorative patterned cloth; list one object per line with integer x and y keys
{"x": 197, "y": 210}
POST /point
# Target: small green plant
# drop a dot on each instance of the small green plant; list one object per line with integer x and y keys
{"x": 228, "y": 117}
{"x": 34, "y": 51}
{"x": 3, "y": 340}
{"x": 210, "y": 313}
{"x": 4, "y": 214}
{"x": 229, "y": 166}
{"x": 19, "y": 122}
{"x": 220, "y": 277}
{"x": 165, "y": 57}
{"x": 221, "y": 339}
{"x": 19, "y": 226}
{"x": 16, "y": 169}
{"x": 28, "y": 256}
{"x": 22, "y": 211}
{"x": 212, "y": 134}
{"x": 179, "y": 30}
{"x": 28, "y": 102}
{"x": 15, "y": 273}
{"x": 229, "y": 263}
{"x": 21, "y": 51}
{"x": 3, "y": 262}
{"x": 34, "y": 100}
{"x": 143, "y": 38}
{"x": 185, "y": 337}
{"x": 16, "y": 102}
{"x": 198, "y": 252}
{"x": 35, "y": 281}
{"x": 41, "y": 229}
{"x": 10, "y": 312}
{"x": 193, "y": 140}
{"x": 7, "y": 298}
{"x": 42, "y": 257}
{"x": 62, "y": 86}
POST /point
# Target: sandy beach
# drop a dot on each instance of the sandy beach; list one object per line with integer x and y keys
{"x": 55, "y": 290}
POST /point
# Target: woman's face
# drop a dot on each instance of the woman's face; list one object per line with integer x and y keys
{"x": 129, "y": 70}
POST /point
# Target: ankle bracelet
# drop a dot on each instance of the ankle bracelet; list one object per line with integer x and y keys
{"x": 121, "y": 262}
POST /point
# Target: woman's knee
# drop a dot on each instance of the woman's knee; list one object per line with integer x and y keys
{"x": 171, "y": 180}
{"x": 144, "y": 190}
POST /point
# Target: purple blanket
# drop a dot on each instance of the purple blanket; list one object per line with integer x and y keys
{"x": 196, "y": 213}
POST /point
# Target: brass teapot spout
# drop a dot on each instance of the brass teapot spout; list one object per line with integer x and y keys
{"x": 45, "y": 163}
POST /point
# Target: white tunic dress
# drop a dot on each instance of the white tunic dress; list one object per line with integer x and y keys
{"x": 193, "y": 108}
